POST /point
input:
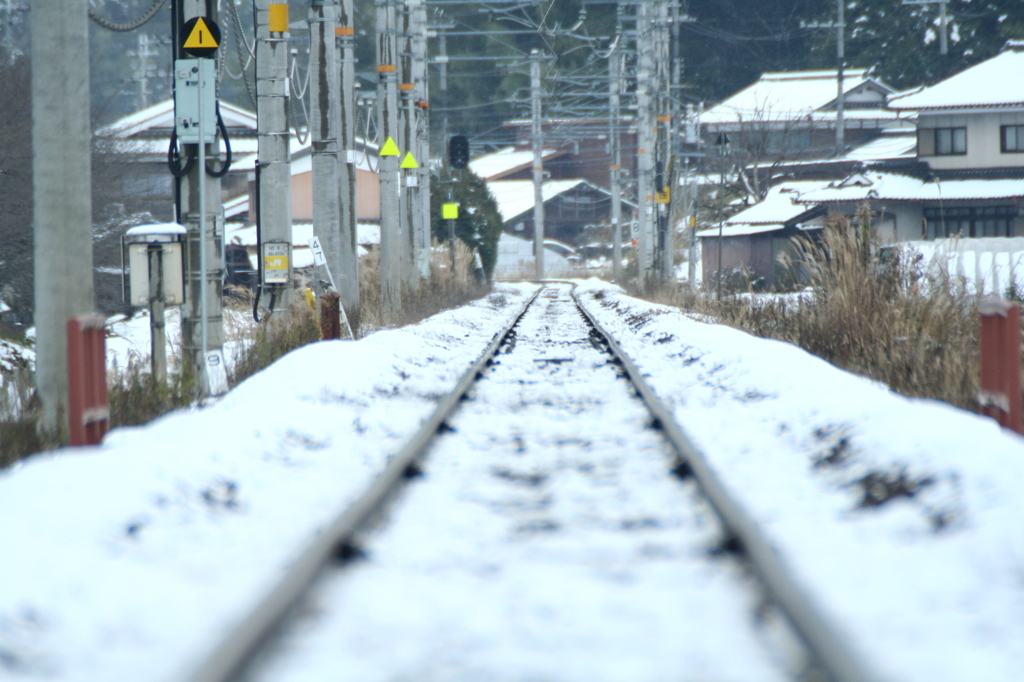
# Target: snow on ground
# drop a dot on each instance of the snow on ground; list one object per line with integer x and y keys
{"x": 984, "y": 265}
{"x": 128, "y": 337}
{"x": 930, "y": 587}
{"x": 121, "y": 562}
{"x": 546, "y": 540}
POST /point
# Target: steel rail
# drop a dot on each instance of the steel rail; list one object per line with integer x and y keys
{"x": 231, "y": 654}
{"x": 823, "y": 638}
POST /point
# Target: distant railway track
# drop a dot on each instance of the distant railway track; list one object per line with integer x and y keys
{"x": 824, "y": 642}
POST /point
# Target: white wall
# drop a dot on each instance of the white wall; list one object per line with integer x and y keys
{"x": 982, "y": 139}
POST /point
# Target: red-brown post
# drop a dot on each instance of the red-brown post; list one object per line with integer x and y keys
{"x": 330, "y": 316}
{"x": 88, "y": 407}
{"x": 999, "y": 340}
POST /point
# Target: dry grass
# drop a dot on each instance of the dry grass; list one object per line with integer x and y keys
{"x": 134, "y": 399}
{"x": 447, "y": 288}
{"x": 888, "y": 322}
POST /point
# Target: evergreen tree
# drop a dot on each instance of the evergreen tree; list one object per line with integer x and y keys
{"x": 479, "y": 223}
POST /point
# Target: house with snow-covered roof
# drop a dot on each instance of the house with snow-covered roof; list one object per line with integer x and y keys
{"x": 793, "y": 114}
{"x": 972, "y": 124}
{"x": 964, "y": 178}
{"x": 573, "y": 209}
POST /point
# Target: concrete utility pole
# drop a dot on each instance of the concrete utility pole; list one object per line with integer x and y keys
{"x": 142, "y": 69}
{"x": 943, "y": 31}
{"x": 665, "y": 246}
{"x": 274, "y": 173}
{"x": 841, "y": 95}
{"x": 199, "y": 210}
{"x": 62, "y": 191}
{"x": 615, "y": 58}
{"x": 538, "y": 162}
{"x": 407, "y": 144}
{"x": 421, "y": 80}
{"x": 387, "y": 132}
{"x": 645, "y": 142}
{"x": 347, "y": 276}
{"x": 325, "y": 120}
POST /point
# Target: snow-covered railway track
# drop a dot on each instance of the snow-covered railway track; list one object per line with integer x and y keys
{"x": 545, "y": 541}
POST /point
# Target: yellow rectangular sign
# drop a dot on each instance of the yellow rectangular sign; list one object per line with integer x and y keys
{"x": 449, "y": 211}
{"x": 277, "y": 18}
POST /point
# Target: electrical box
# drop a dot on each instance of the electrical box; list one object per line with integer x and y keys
{"x": 276, "y": 258}
{"x": 167, "y": 239}
{"x": 188, "y": 109}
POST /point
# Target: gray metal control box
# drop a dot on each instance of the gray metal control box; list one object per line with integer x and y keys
{"x": 187, "y": 107}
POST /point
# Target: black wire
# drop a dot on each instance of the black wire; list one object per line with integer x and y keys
{"x": 227, "y": 150}
{"x": 173, "y": 157}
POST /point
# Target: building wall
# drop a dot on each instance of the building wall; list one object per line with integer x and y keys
{"x": 367, "y": 197}
{"x": 983, "y": 140}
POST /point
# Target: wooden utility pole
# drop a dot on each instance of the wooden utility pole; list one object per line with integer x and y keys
{"x": 62, "y": 191}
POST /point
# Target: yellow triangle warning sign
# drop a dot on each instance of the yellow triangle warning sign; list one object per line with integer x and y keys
{"x": 409, "y": 162}
{"x": 201, "y": 37}
{"x": 390, "y": 148}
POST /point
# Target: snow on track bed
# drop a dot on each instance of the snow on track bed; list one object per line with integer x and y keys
{"x": 545, "y": 541}
{"x": 123, "y": 561}
{"x": 930, "y": 587}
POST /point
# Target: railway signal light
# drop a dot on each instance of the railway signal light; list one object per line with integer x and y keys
{"x": 458, "y": 152}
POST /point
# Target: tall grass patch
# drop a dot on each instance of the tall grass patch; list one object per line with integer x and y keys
{"x": 889, "y": 321}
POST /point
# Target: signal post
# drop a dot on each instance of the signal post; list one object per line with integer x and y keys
{"x": 196, "y": 38}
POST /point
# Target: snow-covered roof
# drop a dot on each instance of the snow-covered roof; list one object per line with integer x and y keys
{"x": 770, "y": 214}
{"x": 885, "y": 147}
{"x": 302, "y": 158}
{"x": 236, "y": 207}
{"x": 515, "y": 197}
{"x": 896, "y": 187}
{"x": 161, "y": 115}
{"x": 506, "y": 161}
{"x": 797, "y": 94}
{"x": 995, "y": 82}
{"x": 154, "y": 229}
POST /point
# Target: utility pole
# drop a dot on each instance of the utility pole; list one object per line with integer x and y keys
{"x": 199, "y": 210}
{"x": 421, "y": 82}
{"x": 142, "y": 69}
{"x": 407, "y": 143}
{"x": 347, "y": 275}
{"x": 840, "y": 27}
{"x": 538, "y": 162}
{"x": 325, "y": 119}
{"x": 62, "y": 191}
{"x": 442, "y": 62}
{"x": 274, "y": 173}
{"x": 615, "y": 58}
{"x": 645, "y": 143}
{"x": 943, "y": 31}
{"x": 841, "y": 95}
{"x": 664, "y": 163}
{"x": 387, "y": 131}
{"x": 693, "y": 137}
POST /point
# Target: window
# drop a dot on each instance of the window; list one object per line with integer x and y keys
{"x": 1012, "y": 139}
{"x": 966, "y": 221}
{"x": 950, "y": 141}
